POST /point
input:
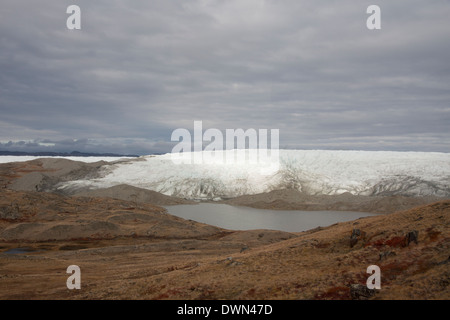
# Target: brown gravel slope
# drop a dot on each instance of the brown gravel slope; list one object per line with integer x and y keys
{"x": 137, "y": 195}
{"x": 296, "y": 200}
{"x": 136, "y": 250}
{"x": 140, "y": 252}
{"x": 324, "y": 263}
{"x": 45, "y": 174}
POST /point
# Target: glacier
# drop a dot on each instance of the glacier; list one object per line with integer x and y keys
{"x": 313, "y": 172}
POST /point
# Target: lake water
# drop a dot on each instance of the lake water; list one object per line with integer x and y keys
{"x": 18, "y": 251}
{"x": 244, "y": 218}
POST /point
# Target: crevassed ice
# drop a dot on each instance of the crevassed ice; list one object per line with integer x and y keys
{"x": 310, "y": 171}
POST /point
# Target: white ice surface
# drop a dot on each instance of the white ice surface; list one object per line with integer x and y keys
{"x": 310, "y": 171}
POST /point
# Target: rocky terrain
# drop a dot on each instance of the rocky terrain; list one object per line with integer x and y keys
{"x": 134, "y": 249}
{"x": 295, "y": 200}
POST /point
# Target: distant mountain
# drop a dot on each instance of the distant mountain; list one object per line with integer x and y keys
{"x": 63, "y": 154}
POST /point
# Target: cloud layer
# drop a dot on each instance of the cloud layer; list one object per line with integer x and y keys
{"x": 138, "y": 70}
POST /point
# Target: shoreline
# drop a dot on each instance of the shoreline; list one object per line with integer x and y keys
{"x": 142, "y": 252}
{"x": 47, "y": 174}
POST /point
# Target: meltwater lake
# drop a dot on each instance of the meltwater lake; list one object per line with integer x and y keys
{"x": 245, "y": 218}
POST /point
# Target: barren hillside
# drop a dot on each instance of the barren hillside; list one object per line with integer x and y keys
{"x": 136, "y": 250}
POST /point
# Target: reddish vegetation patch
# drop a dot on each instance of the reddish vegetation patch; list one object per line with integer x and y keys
{"x": 171, "y": 293}
{"x": 206, "y": 294}
{"x": 396, "y": 242}
{"x": 433, "y": 234}
{"x": 162, "y": 296}
{"x": 361, "y": 278}
{"x": 394, "y": 269}
{"x": 251, "y": 292}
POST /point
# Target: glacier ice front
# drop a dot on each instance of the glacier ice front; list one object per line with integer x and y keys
{"x": 310, "y": 171}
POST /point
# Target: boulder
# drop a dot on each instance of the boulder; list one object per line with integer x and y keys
{"x": 412, "y": 236}
{"x": 360, "y": 292}
{"x": 357, "y": 234}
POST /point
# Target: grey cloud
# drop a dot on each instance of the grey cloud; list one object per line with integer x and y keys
{"x": 136, "y": 71}
{"x": 117, "y": 146}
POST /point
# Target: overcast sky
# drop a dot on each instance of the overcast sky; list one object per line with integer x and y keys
{"x": 137, "y": 70}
